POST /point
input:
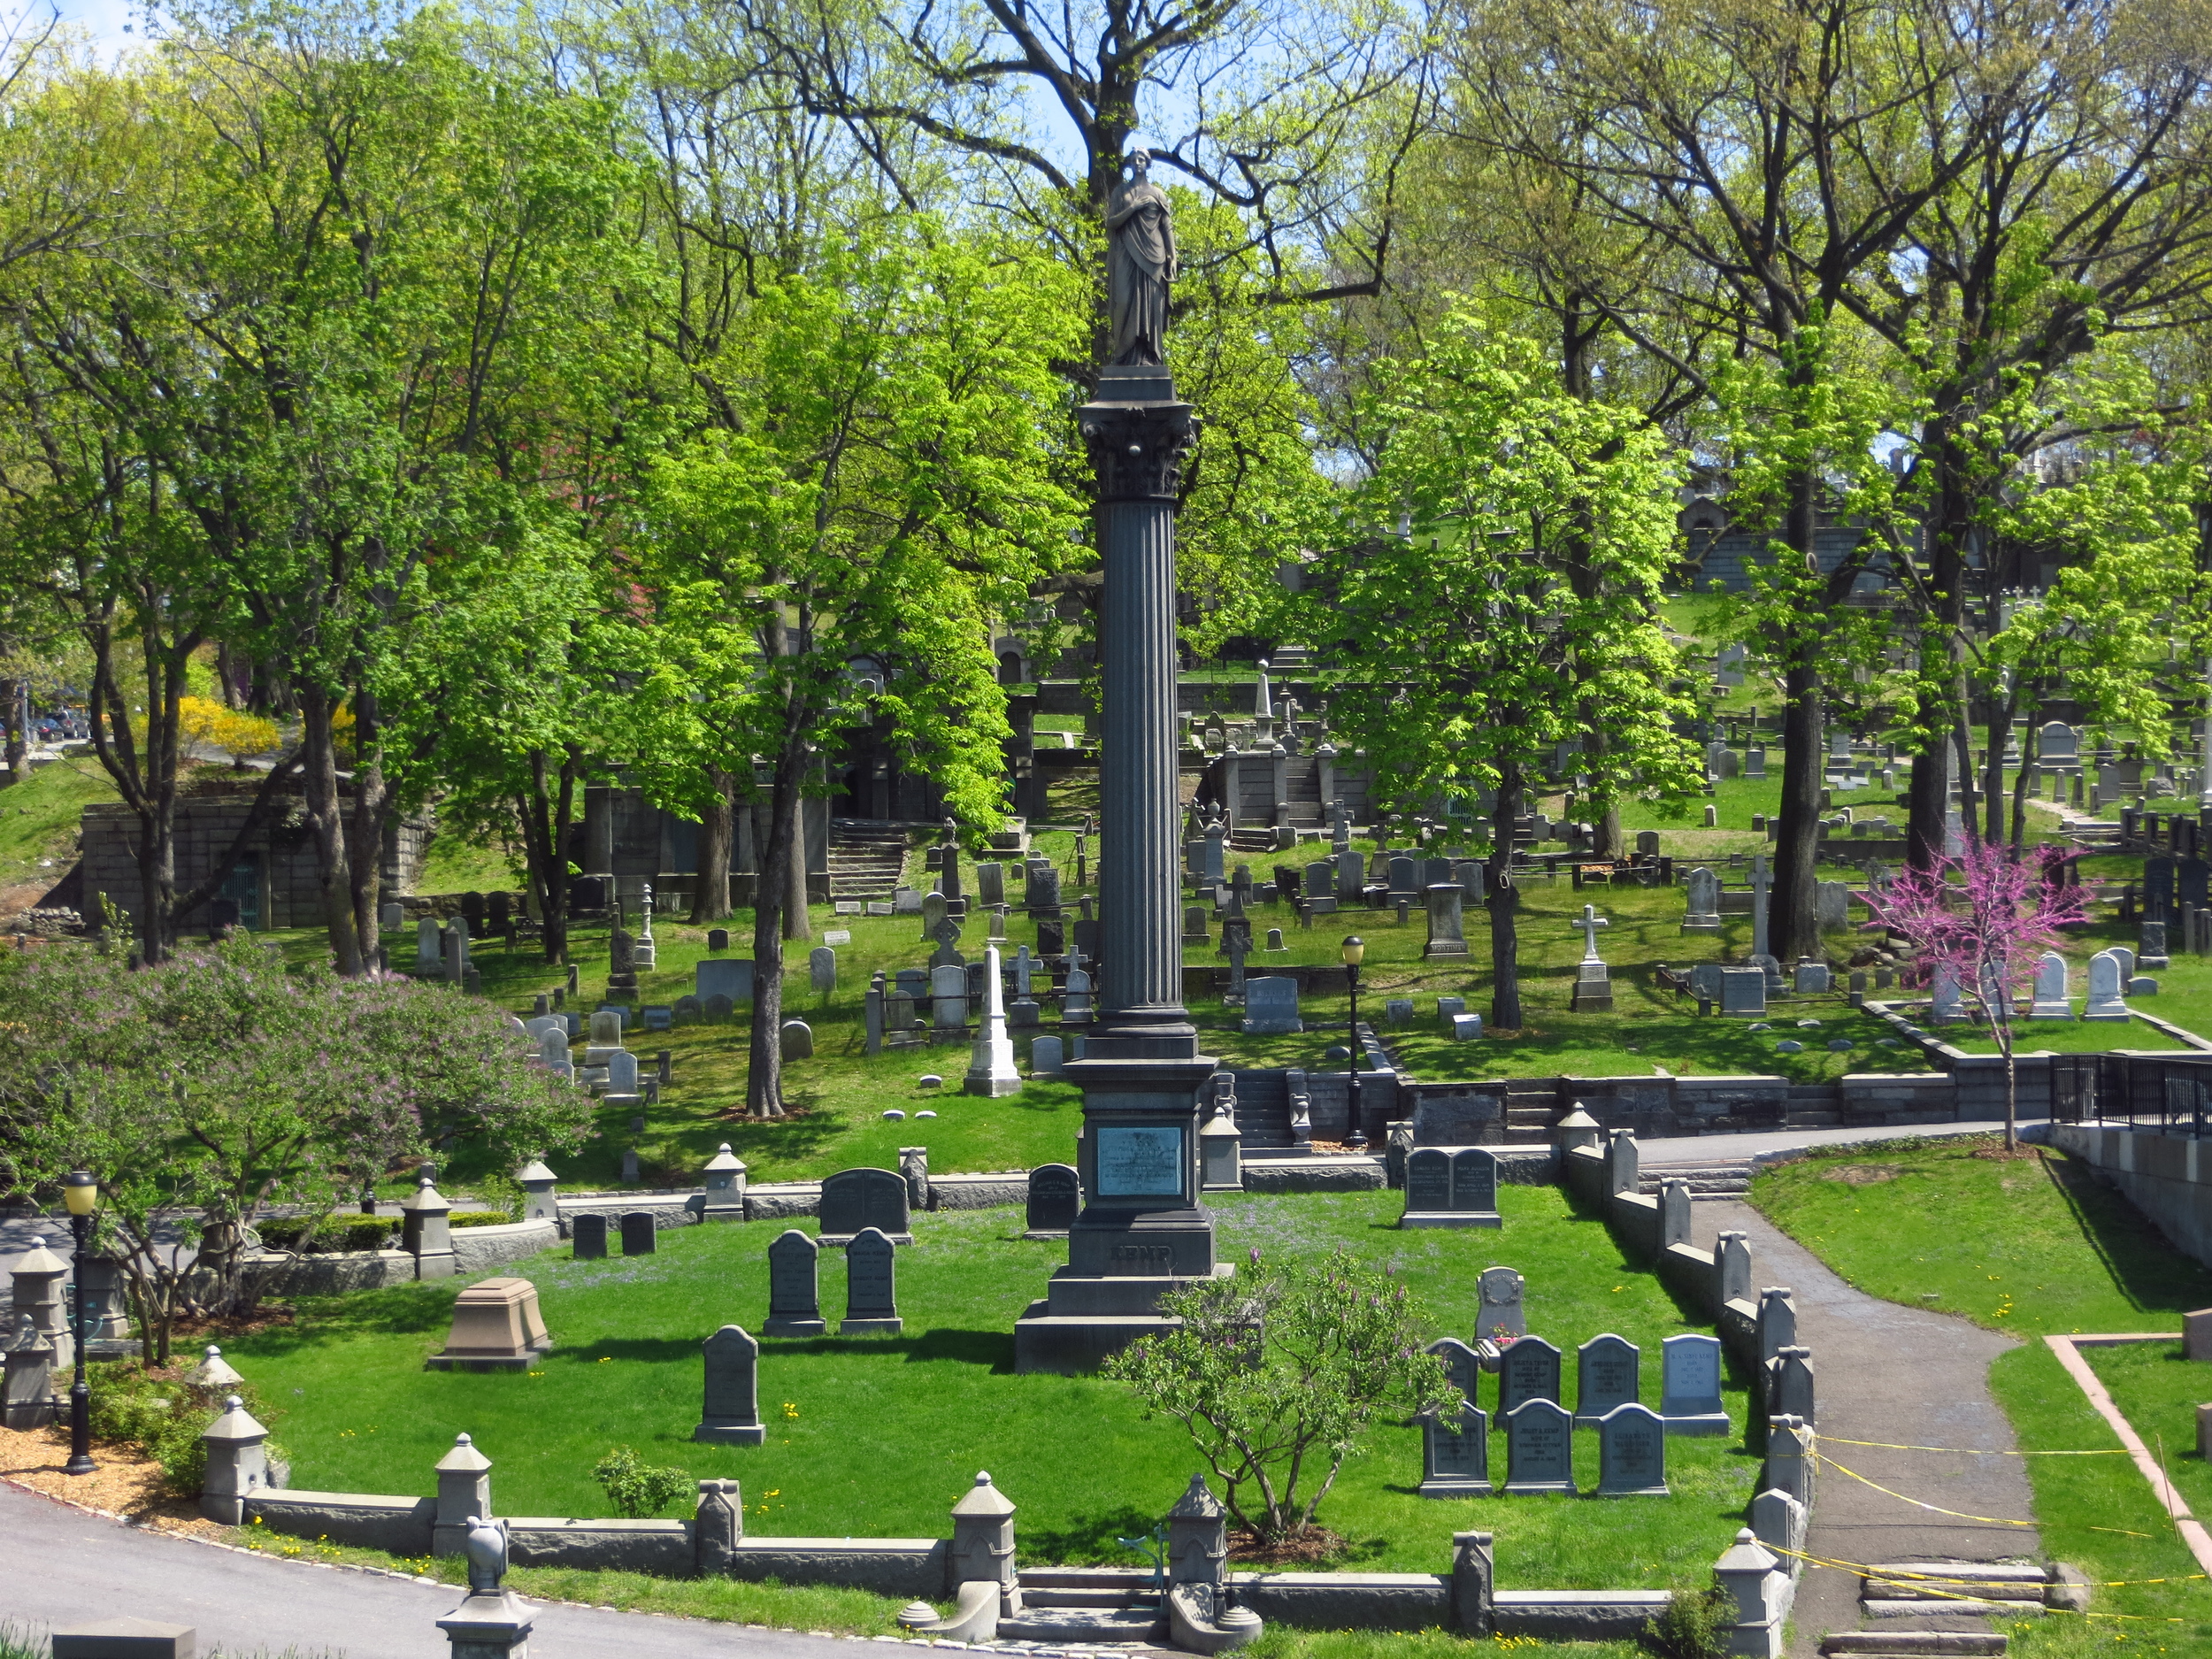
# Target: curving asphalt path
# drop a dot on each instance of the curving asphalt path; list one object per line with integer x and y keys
{"x": 63, "y": 1566}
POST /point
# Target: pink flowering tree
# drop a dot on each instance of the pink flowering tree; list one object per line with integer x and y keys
{"x": 1984, "y": 920}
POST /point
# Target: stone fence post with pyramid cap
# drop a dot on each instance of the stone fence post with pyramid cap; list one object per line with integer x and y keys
{"x": 464, "y": 1492}
{"x": 1197, "y": 1536}
{"x": 983, "y": 1543}
{"x": 236, "y": 1463}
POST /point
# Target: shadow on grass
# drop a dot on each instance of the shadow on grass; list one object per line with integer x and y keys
{"x": 652, "y": 1350}
{"x": 2147, "y": 1271}
{"x": 398, "y": 1310}
{"x": 1091, "y": 1537}
{"x": 993, "y": 1348}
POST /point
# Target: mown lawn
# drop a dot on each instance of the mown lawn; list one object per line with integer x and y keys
{"x": 2028, "y": 1246}
{"x": 879, "y": 1435}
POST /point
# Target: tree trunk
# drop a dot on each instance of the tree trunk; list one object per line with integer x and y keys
{"x": 327, "y": 822}
{"x": 545, "y": 814}
{"x": 797, "y": 923}
{"x": 1792, "y": 931}
{"x": 14, "y": 739}
{"x": 1949, "y": 525}
{"x": 764, "y": 1068}
{"x": 1505, "y": 974}
{"x": 2001, "y": 711}
{"x": 717, "y": 825}
{"x": 2031, "y": 752}
{"x": 371, "y": 807}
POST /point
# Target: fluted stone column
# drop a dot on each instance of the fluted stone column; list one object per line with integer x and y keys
{"x": 1142, "y": 1070}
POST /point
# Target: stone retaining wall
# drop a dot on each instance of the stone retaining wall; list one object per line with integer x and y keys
{"x": 2169, "y": 1178}
{"x": 475, "y": 1250}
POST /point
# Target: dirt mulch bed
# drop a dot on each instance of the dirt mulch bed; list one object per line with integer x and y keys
{"x": 124, "y": 1484}
{"x": 1314, "y": 1549}
{"x": 1864, "y": 1174}
{"x": 1998, "y": 1155}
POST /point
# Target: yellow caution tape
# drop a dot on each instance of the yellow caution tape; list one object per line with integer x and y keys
{"x": 1959, "y": 1515}
{"x": 1972, "y": 1451}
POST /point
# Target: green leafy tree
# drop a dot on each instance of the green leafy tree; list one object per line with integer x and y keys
{"x": 635, "y": 1488}
{"x": 1279, "y": 1372}
{"x": 1478, "y": 639}
{"x": 883, "y": 493}
{"x": 203, "y": 1091}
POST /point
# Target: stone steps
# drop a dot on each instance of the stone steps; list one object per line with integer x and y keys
{"x": 1084, "y": 1604}
{"x": 1728, "y": 1178}
{"x": 1899, "y": 1644}
{"x": 865, "y": 858}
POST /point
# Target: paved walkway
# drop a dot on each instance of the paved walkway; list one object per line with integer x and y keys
{"x": 66, "y": 1566}
{"x": 1772, "y": 1142}
{"x": 1901, "y": 1376}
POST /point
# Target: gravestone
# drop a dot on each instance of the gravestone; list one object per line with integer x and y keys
{"x": 795, "y": 1306}
{"x": 1743, "y": 991}
{"x": 1831, "y": 905}
{"x": 1703, "y": 916}
{"x": 730, "y": 977}
{"x": 1455, "y": 1454}
{"x": 638, "y": 1236}
{"x": 2107, "y": 988}
{"x": 718, "y": 938}
{"x": 621, "y": 1072}
{"x": 1056, "y": 1196}
{"x": 1075, "y": 999}
{"x": 798, "y": 1039}
{"x": 1451, "y": 1187}
{"x": 1501, "y": 1306}
{"x": 588, "y": 1235}
{"x": 872, "y": 1306}
{"x": 1538, "y": 1447}
{"x": 1044, "y": 895}
{"x": 1271, "y": 1006}
{"x": 854, "y": 1200}
{"x": 2051, "y": 1001}
{"x": 1689, "y": 1392}
{"x": 990, "y": 884}
{"x": 428, "y": 934}
{"x": 1813, "y": 978}
{"x": 729, "y": 1415}
{"x": 2151, "y": 947}
{"x": 949, "y": 997}
{"x": 1046, "y": 1056}
{"x": 1447, "y": 934}
{"x": 1631, "y": 1452}
{"x": 1528, "y": 1370}
{"x": 1606, "y": 1374}
{"x": 821, "y": 967}
{"x": 716, "y": 1009}
{"x": 1462, "y": 1364}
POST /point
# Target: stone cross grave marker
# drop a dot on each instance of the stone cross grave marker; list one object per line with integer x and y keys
{"x": 1606, "y": 1372}
{"x": 872, "y": 1306}
{"x": 1455, "y": 1464}
{"x": 1538, "y": 1447}
{"x": 1528, "y": 1370}
{"x": 1055, "y": 1197}
{"x": 794, "y": 1302}
{"x": 1689, "y": 1393}
{"x": 731, "y": 1413}
{"x": 1588, "y": 927}
{"x": 1631, "y": 1452}
{"x": 1501, "y": 1309}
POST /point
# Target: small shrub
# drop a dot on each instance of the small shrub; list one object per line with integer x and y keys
{"x": 1695, "y": 1625}
{"x": 480, "y": 1218}
{"x": 163, "y": 1418}
{"x": 335, "y": 1234}
{"x": 636, "y": 1490}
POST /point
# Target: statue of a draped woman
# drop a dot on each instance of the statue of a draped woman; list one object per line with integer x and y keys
{"x": 1140, "y": 266}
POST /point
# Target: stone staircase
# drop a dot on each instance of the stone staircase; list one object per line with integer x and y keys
{"x": 865, "y": 857}
{"x": 1529, "y": 1117}
{"x": 1721, "y": 1178}
{"x": 1912, "y": 1644}
{"x": 1262, "y": 1110}
{"x": 1937, "y": 1607}
{"x": 1084, "y": 1605}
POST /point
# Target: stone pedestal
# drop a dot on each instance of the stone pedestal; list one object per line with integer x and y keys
{"x": 496, "y": 1326}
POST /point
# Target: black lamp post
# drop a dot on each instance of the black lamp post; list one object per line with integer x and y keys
{"x": 81, "y": 1191}
{"x": 1355, "y": 1136}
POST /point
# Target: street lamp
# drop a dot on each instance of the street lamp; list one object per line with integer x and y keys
{"x": 1354, "y": 952}
{"x": 81, "y": 1191}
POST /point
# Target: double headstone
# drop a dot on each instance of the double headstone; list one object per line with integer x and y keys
{"x": 1451, "y": 1187}
{"x": 854, "y": 1200}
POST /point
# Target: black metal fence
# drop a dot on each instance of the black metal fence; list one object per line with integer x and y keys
{"x": 2141, "y": 1091}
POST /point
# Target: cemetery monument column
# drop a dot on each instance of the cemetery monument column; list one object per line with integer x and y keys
{"x": 1142, "y": 1224}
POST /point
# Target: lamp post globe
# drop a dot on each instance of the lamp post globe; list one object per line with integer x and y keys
{"x": 81, "y": 1193}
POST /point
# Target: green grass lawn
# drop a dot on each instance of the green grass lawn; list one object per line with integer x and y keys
{"x": 39, "y": 817}
{"x": 2159, "y": 1390}
{"x": 879, "y": 1436}
{"x": 2031, "y": 1246}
